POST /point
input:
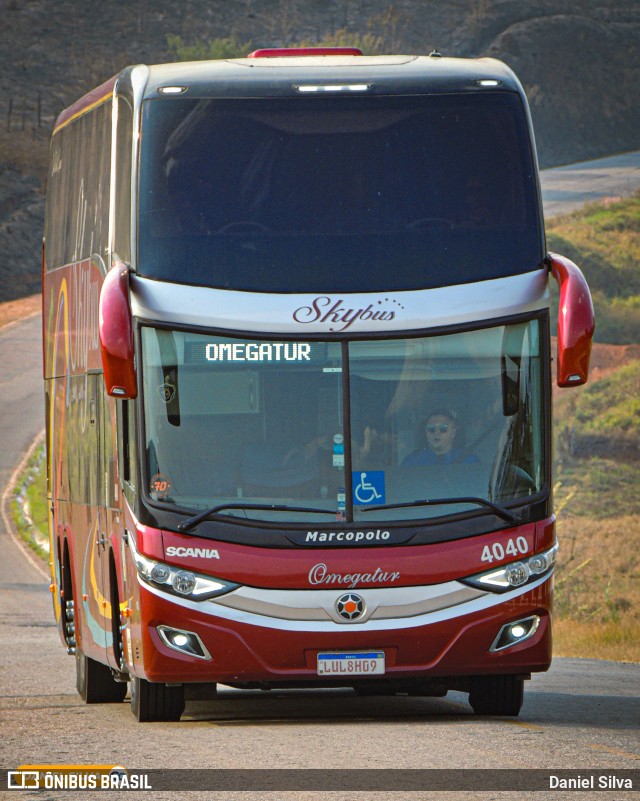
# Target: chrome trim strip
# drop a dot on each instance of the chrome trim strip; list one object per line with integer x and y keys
{"x": 319, "y": 605}
{"x": 215, "y": 609}
{"x": 273, "y": 313}
{"x": 139, "y": 80}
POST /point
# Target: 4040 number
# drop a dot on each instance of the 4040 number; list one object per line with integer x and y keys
{"x": 497, "y": 552}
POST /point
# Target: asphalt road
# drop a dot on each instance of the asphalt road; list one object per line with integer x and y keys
{"x": 582, "y": 715}
{"x": 565, "y": 189}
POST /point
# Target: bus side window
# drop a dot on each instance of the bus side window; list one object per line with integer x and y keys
{"x": 127, "y": 436}
{"x": 107, "y": 451}
{"x": 122, "y": 205}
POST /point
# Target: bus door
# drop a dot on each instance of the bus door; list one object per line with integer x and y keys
{"x": 110, "y": 516}
{"x": 96, "y": 573}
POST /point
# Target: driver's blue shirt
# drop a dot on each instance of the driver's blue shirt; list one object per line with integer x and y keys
{"x": 425, "y": 456}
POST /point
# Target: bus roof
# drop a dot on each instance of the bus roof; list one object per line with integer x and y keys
{"x": 277, "y": 76}
{"x": 283, "y": 76}
{"x": 85, "y": 103}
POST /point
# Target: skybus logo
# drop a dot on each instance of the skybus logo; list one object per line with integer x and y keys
{"x": 325, "y": 309}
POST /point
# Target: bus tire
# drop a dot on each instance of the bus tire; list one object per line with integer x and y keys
{"x": 497, "y": 695}
{"x": 95, "y": 682}
{"x": 116, "y": 618}
{"x": 156, "y": 702}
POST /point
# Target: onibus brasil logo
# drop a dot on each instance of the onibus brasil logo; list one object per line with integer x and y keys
{"x": 76, "y": 777}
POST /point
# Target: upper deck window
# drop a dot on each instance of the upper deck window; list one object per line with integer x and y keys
{"x": 340, "y": 194}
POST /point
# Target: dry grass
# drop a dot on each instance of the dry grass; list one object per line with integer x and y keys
{"x": 604, "y": 641}
{"x": 597, "y": 599}
{"x": 14, "y": 310}
{"x": 26, "y": 150}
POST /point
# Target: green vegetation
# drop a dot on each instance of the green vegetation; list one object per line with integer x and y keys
{"x": 285, "y": 22}
{"x": 29, "y": 504}
{"x": 612, "y": 405}
{"x": 598, "y": 447}
{"x": 603, "y": 239}
{"x": 231, "y": 47}
{"x": 606, "y": 487}
{"x": 599, "y": 450}
{"x": 371, "y": 44}
{"x": 227, "y": 47}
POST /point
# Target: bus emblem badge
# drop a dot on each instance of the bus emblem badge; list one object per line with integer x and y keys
{"x": 167, "y": 392}
{"x": 350, "y": 606}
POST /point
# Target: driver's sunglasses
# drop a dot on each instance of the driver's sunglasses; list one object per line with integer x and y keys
{"x": 442, "y": 428}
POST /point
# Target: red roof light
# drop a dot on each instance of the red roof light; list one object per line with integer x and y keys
{"x": 279, "y": 52}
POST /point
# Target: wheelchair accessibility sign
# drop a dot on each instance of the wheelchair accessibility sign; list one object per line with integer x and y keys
{"x": 368, "y": 488}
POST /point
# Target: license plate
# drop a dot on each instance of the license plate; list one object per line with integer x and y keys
{"x": 348, "y": 663}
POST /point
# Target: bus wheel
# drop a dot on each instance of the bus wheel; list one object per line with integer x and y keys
{"x": 496, "y": 695}
{"x": 95, "y": 682}
{"x": 151, "y": 701}
{"x": 116, "y": 619}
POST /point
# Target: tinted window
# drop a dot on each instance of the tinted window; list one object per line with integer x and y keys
{"x": 77, "y": 224}
{"x": 346, "y": 194}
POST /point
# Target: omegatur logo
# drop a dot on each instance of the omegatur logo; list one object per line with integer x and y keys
{"x": 319, "y": 574}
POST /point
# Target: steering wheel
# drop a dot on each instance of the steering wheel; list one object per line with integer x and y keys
{"x": 522, "y": 481}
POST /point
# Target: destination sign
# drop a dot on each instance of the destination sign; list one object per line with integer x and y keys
{"x": 258, "y": 352}
{"x": 255, "y": 353}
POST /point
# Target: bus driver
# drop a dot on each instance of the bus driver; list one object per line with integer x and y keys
{"x": 443, "y": 442}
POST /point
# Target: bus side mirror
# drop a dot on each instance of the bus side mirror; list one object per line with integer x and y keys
{"x": 116, "y": 334}
{"x": 576, "y": 322}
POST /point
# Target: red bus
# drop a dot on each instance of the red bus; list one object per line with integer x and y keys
{"x": 297, "y": 360}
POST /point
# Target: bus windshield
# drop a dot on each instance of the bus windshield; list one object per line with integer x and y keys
{"x": 340, "y": 194}
{"x": 335, "y": 429}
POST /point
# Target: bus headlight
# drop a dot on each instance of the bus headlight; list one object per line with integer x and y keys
{"x": 518, "y": 573}
{"x": 160, "y": 573}
{"x": 178, "y": 581}
{"x": 515, "y": 574}
{"x": 183, "y": 582}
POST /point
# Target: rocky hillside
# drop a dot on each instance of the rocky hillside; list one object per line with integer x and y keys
{"x": 576, "y": 58}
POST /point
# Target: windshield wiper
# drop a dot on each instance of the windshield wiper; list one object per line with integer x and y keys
{"x": 505, "y": 514}
{"x": 187, "y": 525}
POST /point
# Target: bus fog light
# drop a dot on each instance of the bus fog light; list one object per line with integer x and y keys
{"x": 183, "y": 582}
{"x": 186, "y": 642}
{"x": 516, "y": 632}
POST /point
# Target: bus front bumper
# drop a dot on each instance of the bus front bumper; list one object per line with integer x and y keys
{"x": 227, "y": 640}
